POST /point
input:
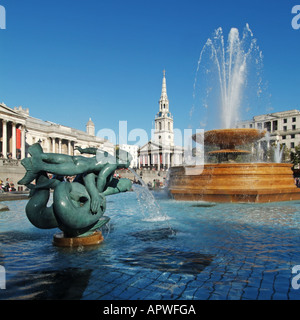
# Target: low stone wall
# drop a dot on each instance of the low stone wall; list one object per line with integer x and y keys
{"x": 13, "y": 170}
{"x": 146, "y": 175}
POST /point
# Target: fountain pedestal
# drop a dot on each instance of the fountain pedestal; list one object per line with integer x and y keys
{"x": 233, "y": 182}
{"x": 60, "y": 240}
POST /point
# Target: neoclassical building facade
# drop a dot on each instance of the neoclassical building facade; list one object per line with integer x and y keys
{"x": 282, "y": 127}
{"x": 18, "y": 130}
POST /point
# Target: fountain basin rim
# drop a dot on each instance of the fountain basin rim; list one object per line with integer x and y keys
{"x": 229, "y": 137}
{"x": 228, "y": 168}
{"x": 231, "y": 164}
{"x": 229, "y": 151}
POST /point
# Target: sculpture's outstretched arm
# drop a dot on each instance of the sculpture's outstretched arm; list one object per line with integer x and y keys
{"x": 87, "y": 150}
{"x": 117, "y": 186}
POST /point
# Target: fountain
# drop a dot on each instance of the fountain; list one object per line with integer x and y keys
{"x": 228, "y": 180}
{"x": 233, "y": 182}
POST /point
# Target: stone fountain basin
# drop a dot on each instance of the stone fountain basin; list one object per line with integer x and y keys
{"x": 229, "y": 138}
{"x": 229, "y": 151}
{"x": 234, "y": 182}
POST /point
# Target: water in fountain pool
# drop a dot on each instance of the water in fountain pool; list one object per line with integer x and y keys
{"x": 218, "y": 251}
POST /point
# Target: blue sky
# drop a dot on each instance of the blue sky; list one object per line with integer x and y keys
{"x": 69, "y": 60}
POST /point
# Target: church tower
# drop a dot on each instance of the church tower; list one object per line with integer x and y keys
{"x": 163, "y": 133}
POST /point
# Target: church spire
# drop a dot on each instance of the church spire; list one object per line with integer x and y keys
{"x": 164, "y": 101}
{"x": 163, "y": 134}
{"x": 164, "y": 87}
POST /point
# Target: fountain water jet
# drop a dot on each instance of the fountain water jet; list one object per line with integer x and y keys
{"x": 278, "y": 153}
{"x": 227, "y": 181}
{"x": 149, "y": 206}
{"x": 229, "y": 74}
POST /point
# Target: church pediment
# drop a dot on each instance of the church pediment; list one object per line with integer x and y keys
{"x": 155, "y": 147}
{"x": 150, "y": 145}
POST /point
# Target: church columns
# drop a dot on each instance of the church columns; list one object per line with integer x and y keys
{"x": 166, "y": 160}
{"x": 169, "y": 160}
{"x": 167, "y": 154}
{"x": 158, "y": 161}
{"x": 161, "y": 160}
{"x": 144, "y": 160}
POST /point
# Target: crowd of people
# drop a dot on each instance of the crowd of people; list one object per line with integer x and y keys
{"x": 7, "y": 186}
{"x": 9, "y": 155}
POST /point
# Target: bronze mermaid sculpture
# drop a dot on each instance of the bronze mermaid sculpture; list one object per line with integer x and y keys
{"x": 78, "y": 207}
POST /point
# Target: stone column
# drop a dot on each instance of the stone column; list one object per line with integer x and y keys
{"x": 23, "y": 142}
{"x": 59, "y": 145}
{"x": 14, "y": 141}
{"x": 166, "y": 160}
{"x": 158, "y": 162}
{"x": 69, "y": 147}
{"x": 169, "y": 160}
{"x": 53, "y": 145}
{"x": 4, "y": 138}
{"x": 144, "y": 160}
